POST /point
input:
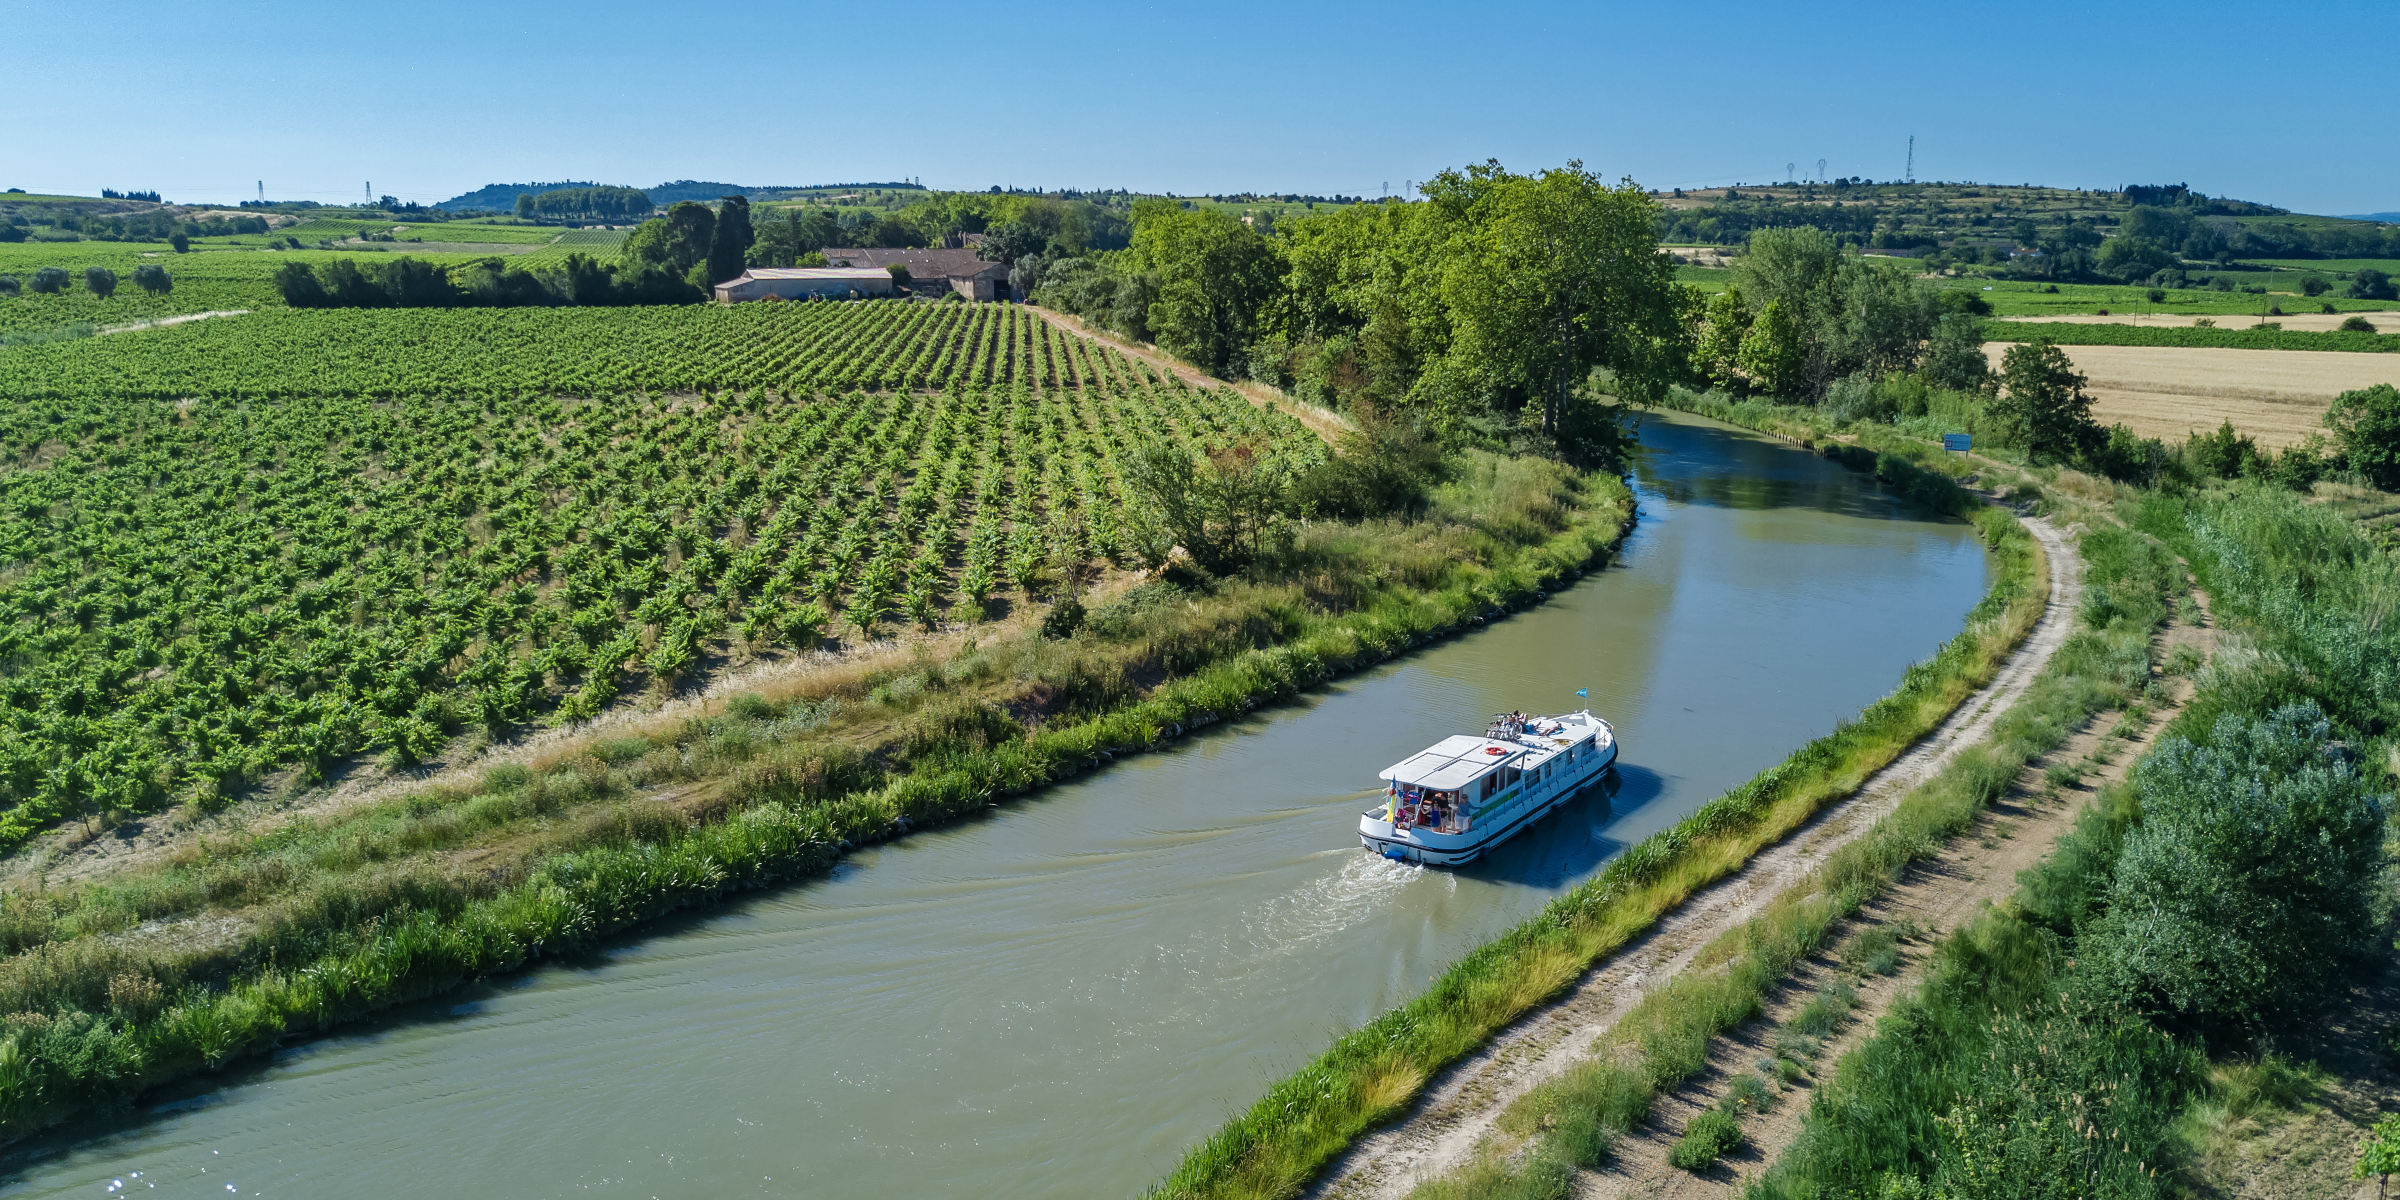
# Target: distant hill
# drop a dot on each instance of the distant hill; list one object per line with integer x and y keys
{"x": 2388, "y": 218}
{"x": 503, "y": 196}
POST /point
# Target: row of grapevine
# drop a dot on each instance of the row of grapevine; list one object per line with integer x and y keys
{"x": 877, "y": 345}
{"x": 194, "y": 594}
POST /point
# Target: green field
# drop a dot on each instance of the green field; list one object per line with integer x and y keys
{"x": 2020, "y": 298}
{"x": 204, "y": 281}
{"x": 1707, "y": 279}
{"x": 213, "y": 278}
{"x": 2065, "y": 334}
{"x": 372, "y": 529}
{"x": 601, "y": 244}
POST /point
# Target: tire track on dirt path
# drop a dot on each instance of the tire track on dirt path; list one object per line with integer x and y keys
{"x": 1461, "y": 1103}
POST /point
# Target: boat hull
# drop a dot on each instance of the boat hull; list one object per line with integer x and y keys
{"x": 1434, "y": 849}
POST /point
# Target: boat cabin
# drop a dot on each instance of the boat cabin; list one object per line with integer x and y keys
{"x": 1440, "y": 788}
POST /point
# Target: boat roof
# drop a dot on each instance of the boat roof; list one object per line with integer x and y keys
{"x": 1454, "y": 762}
{"x": 1458, "y": 760}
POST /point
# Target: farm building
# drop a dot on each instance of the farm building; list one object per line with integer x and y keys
{"x": 966, "y": 274}
{"x": 805, "y": 283}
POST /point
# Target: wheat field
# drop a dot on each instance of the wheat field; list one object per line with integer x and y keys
{"x": 2276, "y": 396}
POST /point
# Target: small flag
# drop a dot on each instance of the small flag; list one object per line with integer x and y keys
{"x": 1586, "y": 693}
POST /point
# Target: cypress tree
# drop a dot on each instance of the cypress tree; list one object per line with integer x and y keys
{"x": 731, "y": 246}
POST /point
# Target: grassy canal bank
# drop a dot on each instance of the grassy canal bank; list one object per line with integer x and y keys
{"x": 1570, "y": 1123}
{"x": 119, "y": 982}
{"x": 1373, "y": 1073}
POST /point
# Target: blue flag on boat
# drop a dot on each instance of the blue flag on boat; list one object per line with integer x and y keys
{"x": 1586, "y": 693}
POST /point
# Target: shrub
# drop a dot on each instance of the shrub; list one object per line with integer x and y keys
{"x": 2370, "y": 284}
{"x": 1856, "y": 398}
{"x": 2366, "y": 424}
{"x": 10, "y": 285}
{"x": 1064, "y": 617}
{"x": 2156, "y": 295}
{"x": 2297, "y": 468}
{"x": 50, "y": 281}
{"x": 1385, "y": 466}
{"x": 2251, "y": 878}
{"x": 2128, "y": 457}
{"x": 2224, "y": 454}
{"x": 2314, "y": 285}
{"x": 100, "y": 281}
{"x": 153, "y": 279}
{"x": 2358, "y": 325}
{"x": 1708, "y": 1138}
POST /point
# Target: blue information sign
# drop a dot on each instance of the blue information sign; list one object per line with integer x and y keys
{"x": 1957, "y": 441}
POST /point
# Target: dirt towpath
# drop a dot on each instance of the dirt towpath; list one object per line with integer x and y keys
{"x": 1324, "y": 422}
{"x": 1931, "y": 901}
{"x": 1462, "y": 1103}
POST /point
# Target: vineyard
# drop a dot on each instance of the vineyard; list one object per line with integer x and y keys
{"x": 2252, "y": 338}
{"x": 281, "y": 540}
{"x": 575, "y": 351}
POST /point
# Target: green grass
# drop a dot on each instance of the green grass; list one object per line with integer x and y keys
{"x": 1368, "y": 1075}
{"x": 1710, "y": 1136}
{"x": 2066, "y": 334}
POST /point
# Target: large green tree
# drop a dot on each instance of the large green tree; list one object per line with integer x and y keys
{"x": 675, "y": 242}
{"x": 1216, "y": 277}
{"x": 1845, "y": 315}
{"x": 2042, "y": 402}
{"x": 1554, "y": 275}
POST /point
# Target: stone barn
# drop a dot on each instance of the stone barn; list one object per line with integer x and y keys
{"x": 961, "y": 269}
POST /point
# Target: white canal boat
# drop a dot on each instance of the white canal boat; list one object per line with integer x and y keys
{"x": 1464, "y": 795}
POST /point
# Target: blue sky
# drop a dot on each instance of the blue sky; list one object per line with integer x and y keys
{"x": 2276, "y": 103}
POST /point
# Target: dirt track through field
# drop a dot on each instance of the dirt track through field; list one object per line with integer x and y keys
{"x": 164, "y": 322}
{"x": 1462, "y": 1103}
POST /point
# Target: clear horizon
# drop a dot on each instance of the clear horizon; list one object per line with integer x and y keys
{"x": 1233, "y": 98}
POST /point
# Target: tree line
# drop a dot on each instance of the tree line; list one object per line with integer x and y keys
{"x": 584, "y": 204}
{"x": 157, "y": 225}
{"x": 1504, "y": 309}
{"x": 99, "y": 281}
{"x": 670, "y": 259}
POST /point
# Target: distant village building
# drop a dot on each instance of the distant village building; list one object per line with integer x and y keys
{"x": 967, "y": 274}
{"x": 806, "y": 283}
